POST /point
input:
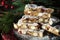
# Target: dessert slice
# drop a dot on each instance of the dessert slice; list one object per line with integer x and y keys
{"x": 34, "y": 26}
{"x": 51, "y": 29}
{"x": 15, "y": 26}
{"x": 40, "y": 33}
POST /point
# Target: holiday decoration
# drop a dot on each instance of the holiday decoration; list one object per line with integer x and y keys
{"x": 36, "y": 20}
{"x": 12, "y": 7}
{"x": 6, "y": 6}
{"x": 2, "y": 3}
{"x": 9, "y": 36}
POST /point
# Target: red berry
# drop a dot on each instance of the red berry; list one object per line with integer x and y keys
{"x": 6, "y": 6}
{"x": 12, "y": 7}
{"x": 2, "y": 3}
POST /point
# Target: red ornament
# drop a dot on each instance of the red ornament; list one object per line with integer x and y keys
{"x": 6, "y": 6}
{"x": 2, "y": 3}
{"x": 12, "y": 7}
